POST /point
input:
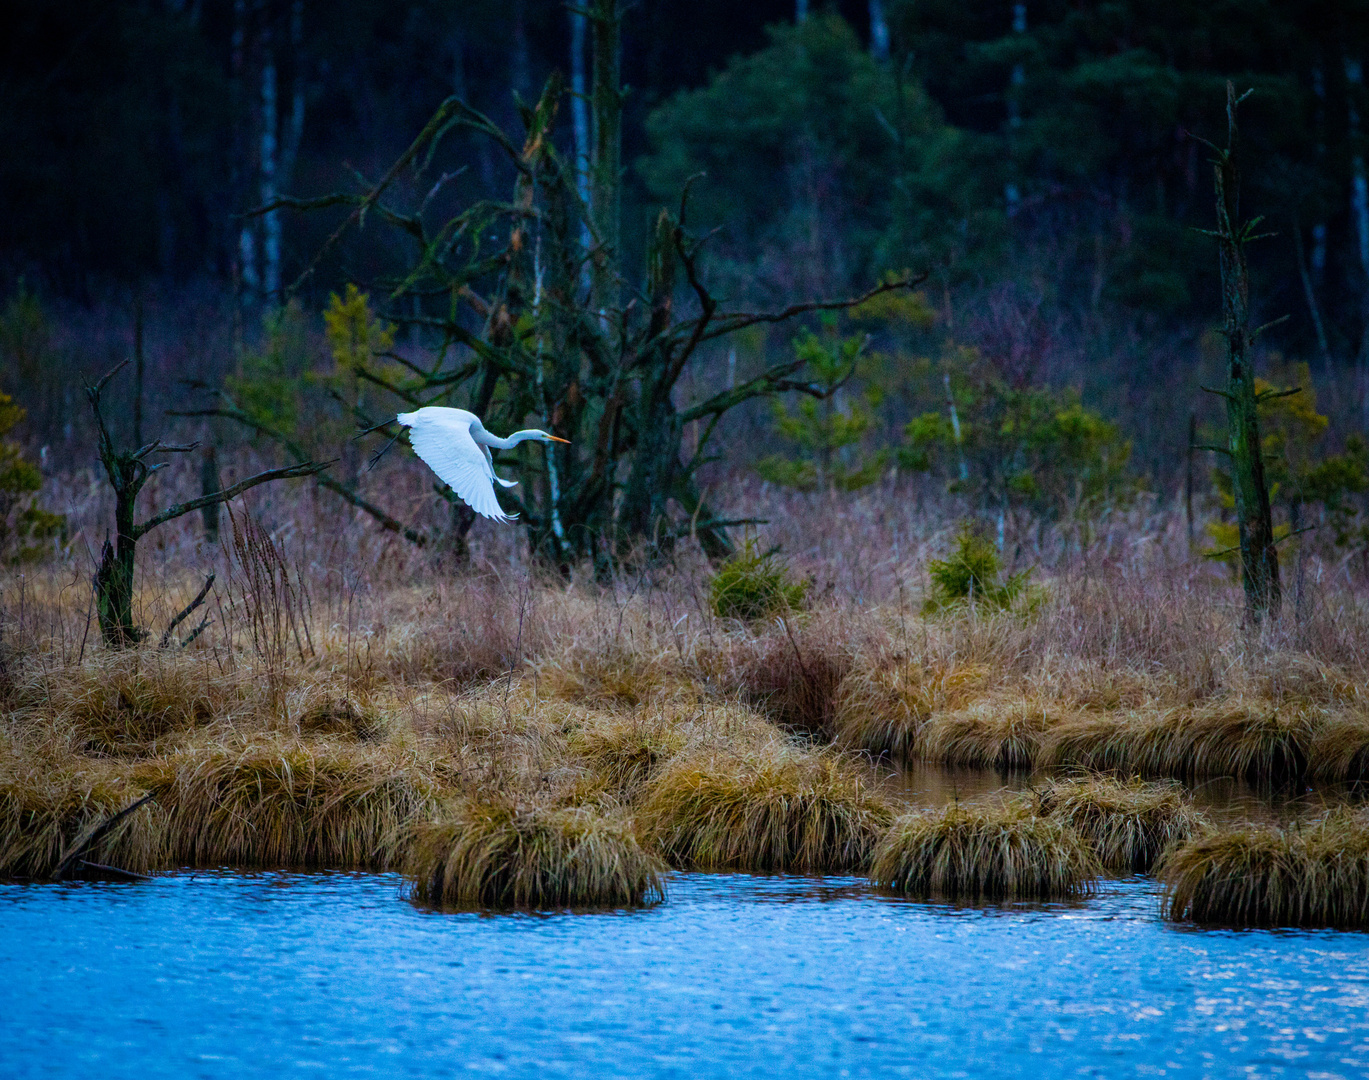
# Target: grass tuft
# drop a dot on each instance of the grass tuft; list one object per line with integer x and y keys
{"x": 1254, "y": 741}
{"x": 769, "y": 808}
{"x": 492, "y": 855}
{"x": 983, "y": 853}
{"x": 47, "y": 811}
{"x": 1309, "y": 874}
{"x": 1130, "y": 823}
{"x": 986, "y": 736}
{"x": 125, "y": 704}
{"x": 882, "y": 709}
{"x": 624, "y": 752}
{"x": 334, "y": 806}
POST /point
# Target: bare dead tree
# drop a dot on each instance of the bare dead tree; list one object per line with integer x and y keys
{"x": 128, "y": 471}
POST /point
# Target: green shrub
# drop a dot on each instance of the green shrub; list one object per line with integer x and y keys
{"x": 754, "y": 585}
{"x": 971, "y": 575}
{"x": 25, "y": 528}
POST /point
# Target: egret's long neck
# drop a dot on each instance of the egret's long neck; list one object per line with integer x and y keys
{"x": 505, "y": 444}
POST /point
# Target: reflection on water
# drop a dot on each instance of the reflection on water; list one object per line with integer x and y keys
{"x": 326, "y": 975}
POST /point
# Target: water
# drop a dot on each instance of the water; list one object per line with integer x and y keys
{"x": 329, "y": 975}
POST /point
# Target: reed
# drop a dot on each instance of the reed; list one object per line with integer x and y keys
{"x": 777, "y": 808}
{"x": 1310, "y": 874}
{"x": 1130, "y": 823}
{"x": 494, "y": 855}
{"x": 315, "y": 805}
{"x": 983, "y": 853}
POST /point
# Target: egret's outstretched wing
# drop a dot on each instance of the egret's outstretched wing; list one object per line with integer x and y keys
{"x": 444, "y": 442}
{"x": 497, "y": 478}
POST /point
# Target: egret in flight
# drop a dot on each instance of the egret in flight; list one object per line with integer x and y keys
{"x": 456, "y": 446}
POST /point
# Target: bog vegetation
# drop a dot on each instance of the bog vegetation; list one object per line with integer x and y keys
{"x": 867, "y": 479}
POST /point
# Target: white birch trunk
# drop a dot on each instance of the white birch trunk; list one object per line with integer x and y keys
{"x": 579, "y": 112}
{"x": 879, "y": 31}
{"x": 248, "y": 279}
{"x": 271, "y": 219}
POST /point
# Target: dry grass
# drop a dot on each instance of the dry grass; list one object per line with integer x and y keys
{"x": 128, "y": 704}
{"x": 47, "y": 810}
{"x": 328, "y": 805}
{"x": 407, "y": 684}
{"x": 882, "y": 708}
{"x": 983, "y": 853}
{"x": 791, "y": 673}
{"x": 1311, "y": 874}
{"x": 493, "y": 855}
{"x": 1254, "y": 740}
{"x": 1130, "y": 823}
{"x": 992, "y": 735}
{"x": 770, "y": 808}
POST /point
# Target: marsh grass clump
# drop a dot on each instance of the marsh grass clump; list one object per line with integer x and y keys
{"x": 610, "y": 675}
{"x": 1252, "y": 740}
{"x": 46, "y": 811}
{"x": 329, "y": 805}
{"x": 882, "y": 709}
{"x": 624, "y": 752}
{"x": 125, "y": 704}
{"x": 990, "y": 735}
{"x": 494, "y": 855}
{"x": 755, "y": 585}
{"x": 983, "y": 853}
{"x": 1309, "y": 874}
{"x": 1130, "y": 823}
{"x": 343, "y": 716}
{"x": 776, "y": 808}
{"x": 792, "y": 675}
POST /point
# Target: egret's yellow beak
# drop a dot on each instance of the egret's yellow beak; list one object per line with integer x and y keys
{"x": 553, "y": 438}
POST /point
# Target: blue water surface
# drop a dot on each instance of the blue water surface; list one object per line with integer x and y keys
{"x": 334, "y": 975}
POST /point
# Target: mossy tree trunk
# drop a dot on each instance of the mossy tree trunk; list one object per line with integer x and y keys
{"x": 1259, "y": 557}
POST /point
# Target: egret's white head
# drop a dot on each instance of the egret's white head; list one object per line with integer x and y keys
{"x": 542, "y": 436}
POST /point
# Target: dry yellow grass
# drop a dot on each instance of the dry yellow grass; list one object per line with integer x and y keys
{"x": 1130, "y": 823}
{"x": 415, "y": 685}
{"x": 1251, "y": 739}
{"x": 1313, "y": 873}
{"x": 882, "y": 707}
{"x": 991, "y": 735}
{"x": 495, "y": 855}
{"x": 290, "y": 805}
{"x": 983, "y": 853}
{"x": 771, "y": 808}
{"x": 129, "y": 703}
{"x": 48, "y": 809}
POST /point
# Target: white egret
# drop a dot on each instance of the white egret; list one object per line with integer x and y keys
{"x": 456, "y": 446}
